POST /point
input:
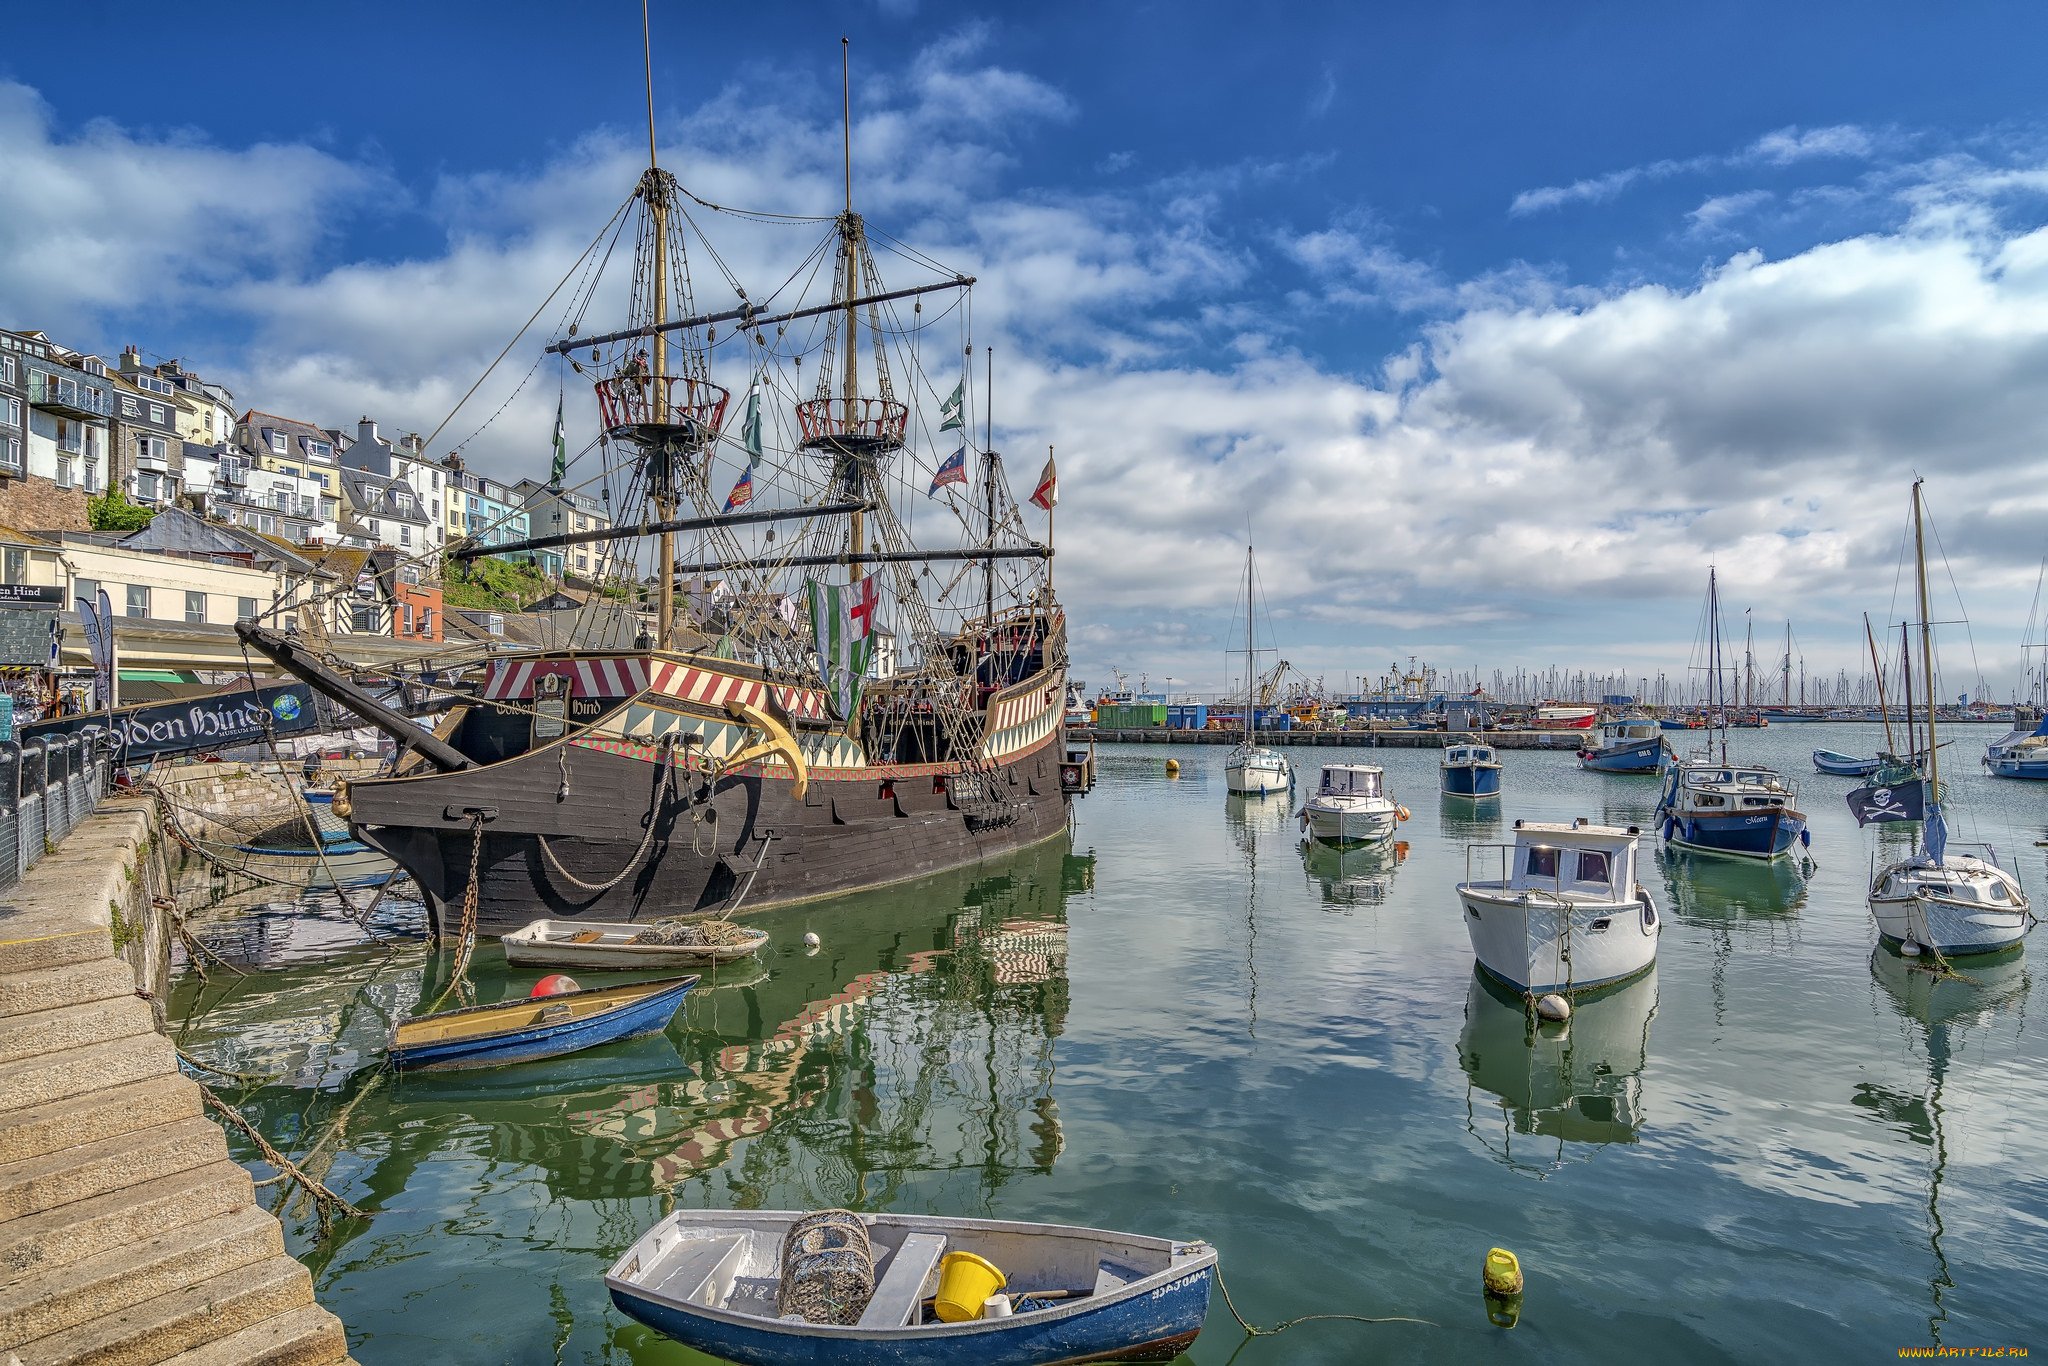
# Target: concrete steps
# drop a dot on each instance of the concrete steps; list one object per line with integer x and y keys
{"x": 127, "y": 1235}
{"x": 69, "y": 1233}
{"x": 78, "y": 1120}
{"x": 193, "y": 1316}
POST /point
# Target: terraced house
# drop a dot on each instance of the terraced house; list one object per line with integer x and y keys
{"x": 552, "y": 511}
{"x": 65, "y": 440}
{"x": 379, "y": 511}
{"x": 146, "y": 434}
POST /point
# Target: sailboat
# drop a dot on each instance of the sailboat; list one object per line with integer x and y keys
{"x": 754, "y": 747}
{"x": 1715, "y": 807}
{"x": 1951, "y": 903}
{"x": 1252, "y": 770}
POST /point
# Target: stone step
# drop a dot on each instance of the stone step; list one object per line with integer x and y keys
{"x": 71, "y": 1233}
{"x": 74, "y": 1120}
{"x": 72, "y": 984}
{"x": 35, "y": 942}
{"x": 158, "y": 1329}
{"x": 303, "y": 1337}
{"x": 76, "y": 1071}
{"x": 66, "y": 1296}
{"x": 92, "y": 1169}
{"x": 73, "y": 1026}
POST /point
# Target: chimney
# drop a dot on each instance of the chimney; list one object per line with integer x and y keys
{"x": 366, "y": 430}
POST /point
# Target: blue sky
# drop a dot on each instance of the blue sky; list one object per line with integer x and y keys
{"x": 1498, "y": 324}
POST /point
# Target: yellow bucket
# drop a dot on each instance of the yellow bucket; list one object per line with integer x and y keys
{"x": 965, "y": 1283}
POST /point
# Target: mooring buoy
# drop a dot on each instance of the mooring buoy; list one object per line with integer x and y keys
{"x": 1553, "y": 1007}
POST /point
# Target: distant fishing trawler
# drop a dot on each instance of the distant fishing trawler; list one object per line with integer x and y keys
{"x": 765, "y": 761}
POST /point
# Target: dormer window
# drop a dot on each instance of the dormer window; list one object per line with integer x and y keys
{"x": 277, "y": 445}
{"x": 322, "y": 450}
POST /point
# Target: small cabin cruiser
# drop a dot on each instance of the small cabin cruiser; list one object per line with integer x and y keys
{"x": 1734, "y": 809}
{"x": 1351, "y": 806}
{"x": 1254, "y": 771}
{"x": 1470, "y": 771}
{"x": 1628, "y": 744}
{"x": 1566, "y": 913}
{"x": 1956, "y": 904}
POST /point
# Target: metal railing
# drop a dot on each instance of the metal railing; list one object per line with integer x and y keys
{"x": 47, "y": 787}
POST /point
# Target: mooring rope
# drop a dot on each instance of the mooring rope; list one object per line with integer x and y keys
{"x": 1257, "y": 1332}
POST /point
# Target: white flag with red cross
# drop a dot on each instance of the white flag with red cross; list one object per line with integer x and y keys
{"x": 843, "y": 620}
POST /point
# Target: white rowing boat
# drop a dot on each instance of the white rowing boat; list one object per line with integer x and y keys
{"x": 613, "y": 944}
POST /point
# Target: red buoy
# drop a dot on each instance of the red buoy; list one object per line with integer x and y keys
{"x": 554, "y": 984}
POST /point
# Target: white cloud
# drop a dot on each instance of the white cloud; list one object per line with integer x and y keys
{"x": 1787, "y": 145}
{"x": 1718, "y": 211}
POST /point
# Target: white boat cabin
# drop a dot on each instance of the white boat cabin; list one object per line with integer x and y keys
{"x": 1715, "y": 788}
{"x": 1351, "y": 780}
{"x": 1580, "y": 860}
{"x": 1630, "y": 728}
{"x": 1470, "y": 756}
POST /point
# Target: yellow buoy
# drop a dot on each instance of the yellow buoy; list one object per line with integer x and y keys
{"x": 1173, "y": 768}
{"x": 1503, "y": 1273}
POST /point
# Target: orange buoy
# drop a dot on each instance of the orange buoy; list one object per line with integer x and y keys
{"x": 554, "y": 984}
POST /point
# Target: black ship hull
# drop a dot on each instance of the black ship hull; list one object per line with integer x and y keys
{"x": 569, "y": 831}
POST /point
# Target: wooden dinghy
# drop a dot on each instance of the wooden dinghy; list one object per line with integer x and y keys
{"x": 611, "y": 944}
{"x": 722, "y": 1282}
{"x": 535, "y": 1026}
{"x": 1844, "y": 765}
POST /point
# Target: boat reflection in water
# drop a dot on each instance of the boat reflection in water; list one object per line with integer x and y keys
{"x": 1716, "y": 891}
{"x": 1360, "y": 876}
{"x": 1555, "y": 1085}
{"x": 1945, "y": 1007}
{"x": 1463, "y": 821}
{"x": 919, "y": 1040}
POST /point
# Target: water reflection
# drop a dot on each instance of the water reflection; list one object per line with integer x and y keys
{"x": 1945, "y": 1007}
{"x": 919, "y": 1040}
{"x": 1349, "y": 878}
{"x": 1462, "y": 820}
{"x": 1580, "y": 1082}
{"x": 1252, "y": 820}
{"x": 1715, "y": 891}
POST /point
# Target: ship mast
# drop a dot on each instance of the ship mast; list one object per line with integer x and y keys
{"x": 663, "y": 487}
{"x": 1926, "y": 648}
{"x": 849, "y": 232}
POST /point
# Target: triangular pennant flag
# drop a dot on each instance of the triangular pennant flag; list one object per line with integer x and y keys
{"x": 953, "y": 471}
{"x": 950, "y": 412}
{"x": 742, "y": 491}
{"x": 750, "y": 427}
{"x": 1048, "y": 491}
{"x": 560, "y": 468}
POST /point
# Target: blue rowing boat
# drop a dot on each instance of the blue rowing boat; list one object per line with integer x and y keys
{"x": 1844, "y": 765}
{"x": 721, "y": 1281}
{"x": 535, "y": 1026}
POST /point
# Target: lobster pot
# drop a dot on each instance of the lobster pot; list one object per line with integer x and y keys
{"x": 828, "y": 1268}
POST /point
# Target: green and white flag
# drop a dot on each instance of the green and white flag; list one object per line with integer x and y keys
{"x": 750, "y": 426}
{"x": 844, "y": 622}
{"x": 950, "y": 411}
{"x": 560, "y": 468}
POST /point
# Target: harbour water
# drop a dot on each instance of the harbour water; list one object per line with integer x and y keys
{"x": 1780, "y": 1145}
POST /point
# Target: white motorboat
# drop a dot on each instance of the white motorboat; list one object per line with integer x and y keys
{"x": 1952, "y": 903}
{"x": 1351, "y": 806}
{"x": 1566, "y": 913}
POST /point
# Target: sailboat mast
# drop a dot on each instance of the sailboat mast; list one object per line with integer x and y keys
{"x": 988, "y": 481}
{"x": 1926, "y": 646}
{"x": 1785, "y": 700}
{"x": 1717, "y": 695}
{"x": 849, "y": 385}
{"x": 1883, "y": 712}
{"x": 1906, "y": 680}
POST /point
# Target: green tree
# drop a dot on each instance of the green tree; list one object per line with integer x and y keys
{"x": 111, "y": 511}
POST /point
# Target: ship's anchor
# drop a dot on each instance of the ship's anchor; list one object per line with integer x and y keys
{"x": 776, "y": 739}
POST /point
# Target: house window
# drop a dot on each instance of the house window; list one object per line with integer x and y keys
{"x": 277, "y": 446}
{"x": 145, "y": 486}
{"x": 70, "y": 436}
{"x": 10, "y": 454}
{"x": 14, "y": 565}
{"x": 156, "y": 413}
{"x": 245, "y": 609}
{"x": 374, "y": 529}
{"x": 404, "y": 534}
{"x": 129, "y": 407}
{"x": 138, "y": 600}
{"x": 10, "y": 412}
{"x": 426, "y": 621}
{"x": 7, "y": 369}
{"x": 65, "y": 476}
{"x": 320, "y": 450}
{"x": 406, "y": 609}
{"x": 151, "y": 448}
{"x": 92, "y": 474}
{"x": 89, "y": 589}
{"x": 195, "y": 606}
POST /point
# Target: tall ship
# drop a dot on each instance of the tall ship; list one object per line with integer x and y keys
{"x": 826, "y": 705}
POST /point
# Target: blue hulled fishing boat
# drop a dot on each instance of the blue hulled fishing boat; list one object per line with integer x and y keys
{"x": 1715, "y": 807}
{"x": 1470, "y": 771}
{"x": 1628, "y": 744}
